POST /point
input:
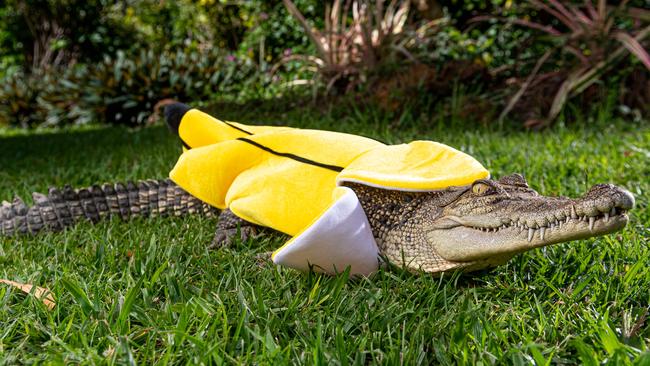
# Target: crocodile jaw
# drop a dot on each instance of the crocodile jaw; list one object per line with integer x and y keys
{"x": 486, "y": 223}
{"x": 522, "y": 220}
{"x": 465, "y": 244}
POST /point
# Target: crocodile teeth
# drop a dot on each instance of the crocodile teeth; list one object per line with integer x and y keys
{"x": 606, "y": 216}
{"x": 542, "y": 230}
{"x": 574, "y": 215}
{"x": 591, "y": 223}
{"x": 567, "y": 220}
{"x": 613, "y": 211}
{"x": 531, "y": 233}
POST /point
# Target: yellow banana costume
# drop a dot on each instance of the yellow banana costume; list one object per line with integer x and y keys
{"x": 291, "y": 180}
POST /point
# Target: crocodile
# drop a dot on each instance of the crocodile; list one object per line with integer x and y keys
{"x": 468, "y": 228}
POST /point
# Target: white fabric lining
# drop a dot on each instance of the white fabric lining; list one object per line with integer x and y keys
{"x": 339, "y": 238}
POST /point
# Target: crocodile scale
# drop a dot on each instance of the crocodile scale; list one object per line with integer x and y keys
{"x": 61, "y": 208}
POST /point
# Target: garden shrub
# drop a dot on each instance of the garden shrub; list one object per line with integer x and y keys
{"x": 359, "y": 41}
{"x": 274, "y": 33}
{"x": 119, "y": 59}
{"x": 18, "y": 99}
{"x": 45, "y": 97}
{"x": 579, "y": 48}
{"x": 122, "y": 89}
{"x": 50, "y": 33}
{"x": 127, "y": 88}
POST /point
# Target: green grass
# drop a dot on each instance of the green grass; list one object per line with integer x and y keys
{"x": 149, "y": 291}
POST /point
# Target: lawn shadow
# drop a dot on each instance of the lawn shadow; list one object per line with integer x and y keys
{"x": 86, "y": 155}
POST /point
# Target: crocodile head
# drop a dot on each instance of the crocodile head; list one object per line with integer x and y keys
{"x": 486, "y": 223}
{"x": 493, "y": 220}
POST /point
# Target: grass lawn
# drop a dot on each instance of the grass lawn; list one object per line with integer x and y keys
{"x": 149, "y": 291}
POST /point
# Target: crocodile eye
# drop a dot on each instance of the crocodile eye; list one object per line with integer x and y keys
{"x": 480, "y": 188}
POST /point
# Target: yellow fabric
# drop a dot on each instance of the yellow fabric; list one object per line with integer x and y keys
{"x": 199, "y": 129}
{"x": 418, "y": 166}
{"x": 265, "y": 180}
{"x": 337, "y": 193}
{"x": 259, "y": 186}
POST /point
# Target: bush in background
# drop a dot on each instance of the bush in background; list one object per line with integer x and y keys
{"x": 577, "y": 48}
{"x": 125, "y": 89}
{"x": 122, "y": 89}
{"x": 358, "y": 40}
{"x": 140, "y": 52}
{"x": 39, "y": 34}
{"x": 117, "y": 59}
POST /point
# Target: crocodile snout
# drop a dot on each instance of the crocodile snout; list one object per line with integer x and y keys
{"x": 604, "y": 199}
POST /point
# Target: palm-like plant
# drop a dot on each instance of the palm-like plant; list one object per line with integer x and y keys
{"x": 350, "y": 47}
{"x": 597, "y": 36}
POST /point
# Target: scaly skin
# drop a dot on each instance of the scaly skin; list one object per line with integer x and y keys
{"x": 61, "y": 208}
{"x": 460, "y": 228}
{"x": 485, "y": 224}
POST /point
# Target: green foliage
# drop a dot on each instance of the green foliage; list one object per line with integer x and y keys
{"x": 44, "y": 98}
{"x": 461, "y": 37}
{"x": 103, "y": 55}
{"x": 183, "y": 23}
{"x": 127, "y": 87}
{"x": 462, "y": 11}
{"x": 18, "y": 98}
{"x": 123, "y": 89}
{"x": 260, "y": 30}
{"x": 168, "y": 53}
{"x": 274, "y": 33}
{"x": 358, "y": 40}
{"x": 44, "y": 33}
{"x": 584, "y": 43}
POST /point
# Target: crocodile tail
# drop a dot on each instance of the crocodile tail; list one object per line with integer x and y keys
{"x": 63, "y": 207}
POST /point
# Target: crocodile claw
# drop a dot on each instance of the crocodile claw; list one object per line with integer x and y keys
{"x": 225, "y": 237}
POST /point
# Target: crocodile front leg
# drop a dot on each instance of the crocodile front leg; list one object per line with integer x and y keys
{"x": 228, "y": 227}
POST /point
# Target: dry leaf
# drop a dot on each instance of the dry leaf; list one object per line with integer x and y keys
{"x": 40, "y": 293}
{"x": 110, "y": 351}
